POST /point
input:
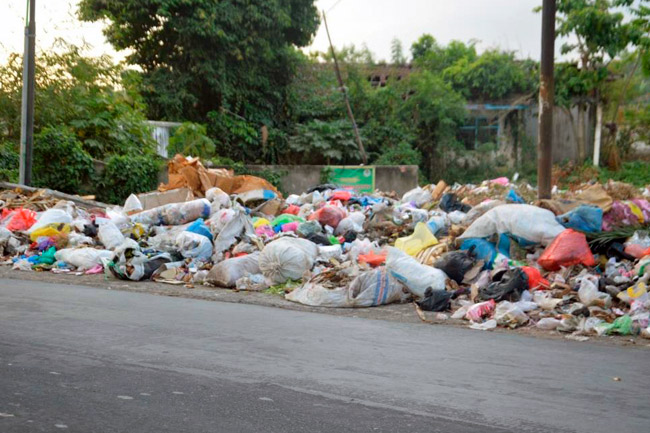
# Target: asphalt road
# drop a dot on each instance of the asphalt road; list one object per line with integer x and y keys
{"x": 82, "y": 359}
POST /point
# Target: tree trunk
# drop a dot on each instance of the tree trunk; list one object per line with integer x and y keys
{"x": 580, "y": 138}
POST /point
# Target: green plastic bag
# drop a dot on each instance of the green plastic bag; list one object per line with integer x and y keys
{"x": 622, "y": 325}
{"x": 47, "y": 257}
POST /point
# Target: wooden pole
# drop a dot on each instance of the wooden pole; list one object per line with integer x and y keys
{"x": 546, "y": 101}
{"x": 362, "y": 151}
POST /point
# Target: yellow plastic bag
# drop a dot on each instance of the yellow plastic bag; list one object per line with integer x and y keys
{"x": 420, "y": 239}
{"x": 261, "y": 222}
{"x": 50, "y": 230}
{"x": 640, "y": 291}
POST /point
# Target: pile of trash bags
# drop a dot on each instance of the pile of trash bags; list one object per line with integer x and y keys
{"x": 489, "y": 254}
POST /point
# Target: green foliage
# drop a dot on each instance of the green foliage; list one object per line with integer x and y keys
{"x": 191, "y": 139}
{"x": 127, "y": 174}
{"x": 397, "y": 52}
{"x": 234, "y": 136}
{"x": 401, "y": 154}
{"x": 60, "y": 162}
{"x": 199, "y": 56}
{"x": 9, "y": 162}
{"x": 332, "y": 141}
{"x": 492, "y": 76}
{"x": 635, "y": 172}
{"x": 81, "y": 93}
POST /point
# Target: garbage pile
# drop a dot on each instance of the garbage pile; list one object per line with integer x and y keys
{"x": 488, "y": 254}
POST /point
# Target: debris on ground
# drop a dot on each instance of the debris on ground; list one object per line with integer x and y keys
{"x": 489, "y": 254}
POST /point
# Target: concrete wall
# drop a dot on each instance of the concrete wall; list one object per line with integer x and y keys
{"x": 299, "y": 178}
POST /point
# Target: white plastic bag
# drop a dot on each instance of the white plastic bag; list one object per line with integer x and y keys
{"x": 240, "y": 226}
{"x": 419, "y": 196}
{"x": 353, "y": 222}
{"x": 51, "y": 216}
{"x": 416, "y": 277}
{"x": 194, "y": 246}
{"x": 110, "y": 236}
{"x": 528, "y": 222}
{"x": 287, "y": 258}
{"x": 217, "y": 197}
{"x": 589, "y": 294}
{"x": 509, "y": 314}
{"x": 548, "y": 323}
{"x": 83, "y": 258}
{"x": 226, "y": 273}
{"x": 330, "y": 252}
{"x": 132, "y": 205}
{"x": 545, "y": 300}
{"x": 376, "y": 287}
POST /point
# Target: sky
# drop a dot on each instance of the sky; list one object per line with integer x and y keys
{"x": 507, "y": 24}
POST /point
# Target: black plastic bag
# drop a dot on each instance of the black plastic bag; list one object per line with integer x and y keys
{"x": 319, "y": 239}
{"x": 435, "y": 300}
{"x": 450, "y": 203}
{"x": 321, "y": 188}
{"x": 457, "y": 263}
{"x": 506, "y": 285}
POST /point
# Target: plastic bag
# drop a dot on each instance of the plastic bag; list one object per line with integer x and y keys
{"x": 507, "y": 285}
{"x": 638, "y": 245}
{"x": 483, "y": 250}
{"x": 330, "y": 252}
{"x": 480, "y": 210}
{"x": 309, "y": 228}
{"x": 216, "y": 195}
{"x": 416, "y": 277}
{"x": 584, "y": 218}
{"x": 477, "y": 312}
{"x": 138, "y": 266}
{"x": 589, "y": 294}
{"x": 509, "y": 314}
{"x": 50, "y": 231}
{"x": 239, "y": 227}
{"x": 568, "y": 249}
{"x": 548, "y": 323}
{"x": 524, "y": 221}
{"x": 438, "y": 224}
{"x": 83, "y": 258}
{"x": 546, "y": 301}
{"x": 328, "y": 216}
{"x": 194, "y": 246}
{"x": 110, "y": 236}
{"x": 353, "y": 222}
{"x": 622, "y": 325}
{"x": 535, "y": 279}
{"x": 369, "y": 289}
{"x": 456, "y": 264}
{"x": 485, "y": 326}
{"x": 200, "y": 228}
{"x": 420, "y": 239}
{"x": 450, "y": 203}
{"x": 132, "y": 205}
{"x": 226, "y": 273}
{"x": 51, "y": 216}
{"x": 77, "y": 239}
{"x": 19, "y": 219}
{"x": 287, "y": 258}
{"x": 174, "y": 214}
{"x": 418, "y": 196}
{"x": 435, "y": 300}
{"x": 219, "y": 220}
{"x": 373, "y": 259}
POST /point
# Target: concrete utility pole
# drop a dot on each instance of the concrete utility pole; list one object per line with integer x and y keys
{"x": 27, "y": 115}
{"x": 362, "y": 151}
{"x": 546, "y": 102}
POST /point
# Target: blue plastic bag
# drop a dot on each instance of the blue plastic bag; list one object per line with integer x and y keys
{"x": 583, "y": 218}
{"x": 200, "y": 228}
{"x": 483, "y": 249}
{"x": 513, "y": 197}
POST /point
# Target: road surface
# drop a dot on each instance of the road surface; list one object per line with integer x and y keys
{"x": 80, "y": 359}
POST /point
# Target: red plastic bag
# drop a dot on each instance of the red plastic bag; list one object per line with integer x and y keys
{"x": 373, "y": 259}
{"x": 328, "y": 216}
{"x": 569, "y": 248}
{"x": 21, "y": 219}
{"x": 292, "y": 210}
{"x": 535, "y": 279}
{"x": 341, "y": 195}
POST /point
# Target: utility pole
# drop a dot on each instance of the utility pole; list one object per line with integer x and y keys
{"x": 546, "y": 102}
{"x": 27, "y": 115}
{"x": 362, "y": 151}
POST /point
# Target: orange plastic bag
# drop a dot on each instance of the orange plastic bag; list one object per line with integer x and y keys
{"x": 569, "y": 248}
{"x": 373, "y": 259}
{"x": 535, "y": 279}
{"x": 21, "y": 219}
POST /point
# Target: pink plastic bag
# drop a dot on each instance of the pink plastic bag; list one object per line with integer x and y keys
{"x": 20, "y": 219}
{"x": 483, "y": 309}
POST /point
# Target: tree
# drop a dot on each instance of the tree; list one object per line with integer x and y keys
{"x": 424, "y": 45}
{"x": 397, "y": 52}
{"x": 199, "y": 56}
{"x": 601, "y": 32}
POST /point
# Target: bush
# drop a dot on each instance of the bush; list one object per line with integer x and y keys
{"x": 402, "y": 154}
{"x": 191, "y": 139}
{"x": 9, "y": 162}
{"x": 60, "y": 163}
{"x": 127, "y": 174}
